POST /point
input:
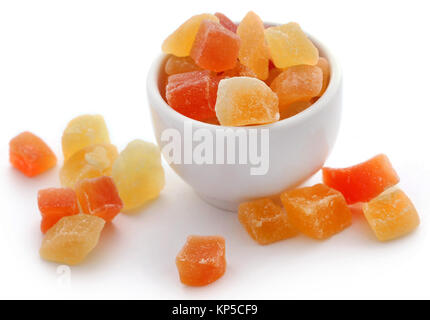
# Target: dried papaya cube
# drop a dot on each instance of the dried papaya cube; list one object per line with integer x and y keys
{"x": 265, "y": 221}
{"x": 299, "y": 83}
{"x": 71, "y": 239}
{"x": 391, "y": 215}
{"x": 99, "y": 197}
{"x": 215, "y": 47}
{"x": 289, "y": 46}
{"x": 193, "y": 94}
{"x": 294, "y": 108}
{"x": 245, "y": 101}
{"x": 318, "y": 212}
{"x": 202, "y": 260}
{"x": 175, "y": 65}
{"x": 364, "y": 181}
{"x": 54, "y": 204}
{"x": 239, "y": 70}
{"x": 180, "y": 42}
{"x": 91, "y": 162}
{"x": 226, "y": 22}
{"x": 84, "y": 131}
{"x": 30, "y": 154}
{"x": 324, "y": 65}
{"x": 138, "y": 174}
{"x": 253, "y": 52}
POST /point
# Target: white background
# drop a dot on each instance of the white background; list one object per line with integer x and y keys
{"x": 59, "y": 59}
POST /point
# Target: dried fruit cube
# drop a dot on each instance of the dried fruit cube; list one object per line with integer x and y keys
{"x": 391, "y": 215}
{"x": 289, "y": 46}
{"x": 180, "y": 42}
{"x": 245, "y": 101}
{"x": 138, "y": 174}
{"x": 54, "y": 204}
{"x": 175, "y": 65}
{"x": 318, "y": 212}
{"x": 226, "y": 22}
{"x": 71, "y": 239}
{"x": 215, "y": 47}
{"x": 30, "y": 154}
{"x": 202, "y": 260}
{"x": 299, "y": 83}
{"x": 99, "y": 197}
{"x": 84, "y": 131}
{"x": 364, "y": 181}
{"x": 90, "y": 162}
{"x": 239, "y": 70}
{"x": 253, "y": 52}
{"x": 193, "y": 94}
{"x": 265, "y": 221}
{"x": 325, "y": 67}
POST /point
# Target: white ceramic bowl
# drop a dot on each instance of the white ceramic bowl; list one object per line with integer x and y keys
{"x": 298, "y": 146}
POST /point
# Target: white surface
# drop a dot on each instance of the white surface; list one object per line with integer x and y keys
{"x": 59, "y": 59}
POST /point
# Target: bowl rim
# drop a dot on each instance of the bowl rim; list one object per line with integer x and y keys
{"x": 152, "y": 85}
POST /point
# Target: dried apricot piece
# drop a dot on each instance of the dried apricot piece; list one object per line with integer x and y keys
{"x": 180, "y": 42}
{"x": 202, "y": 260}
{"x": 71, "y": 239}
{"x": 84, "y": 131}
{"x": 391, "y": 215}
{"x": 99, "y": 197}
{"x": 30, "y": 154}
{"x": 175, "y": 65}
{"x": 318, "y": 212}
{"x": 364, "y": 181}
{"x": 265, "y": 221}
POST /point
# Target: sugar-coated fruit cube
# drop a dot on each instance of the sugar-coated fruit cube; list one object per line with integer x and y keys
{"x": 99, "y": 197}
{"x": 294, "y": 108}
{"x": 202, "y": 260}
{"x": 364, "y": 181}
{"x": 226, "y": 22}
{"x": 84, "y": 131}
{"x": 254, "y": 52}
{"x": 193, "y": 94}
{"x": 30, "y": 154}
{"x": 318, "y": 211}
{"x": 324, "y": 65}
{"x": 90, "y": 162}
{"x": 289, "y": 46}
{"x": 71, "y": 239}
{"x": 239, "y": 70}
{"x": 215, "y": 47}
{"x": 54, "y": 204}
{"x": 175, "y": 65}
{"x": 299, "y": 83}
{"x": 138, "y": 174}
{"x": 265, "y": 221}
{"x": 391, "y": 215}
{"x": 180, "y": 42}
{"x": 245, "y": 101}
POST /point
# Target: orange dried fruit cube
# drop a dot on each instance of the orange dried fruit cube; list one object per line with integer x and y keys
{"x": 289, "y": 46}
{"x": 54, "y": 204}
{"x": 202, "y": 260}
{"x": 175, "y": 65}
{"x": 90, "y": 162}
{"x": 318, "y": 212}
{"x": 193, "y": 94}
{"x": 299, "y": 83}
{"x": 215, "y": 47}
{"x": 245, "y": 101}
{"x": 391, "y": 215}
{"x": 84, "y": 131}
{"x": 324, "y": 65}
{"x": 265, "y": 221}
{"x": 71, "y": 239}
{"x": 99, "y": 197}
{"x": 364, "y": 181}
{"x": 30, "y": 154}
{"x": 180, "y": 42}
{"x": 226, "y": 22}
{"x": 253, "y": 52}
